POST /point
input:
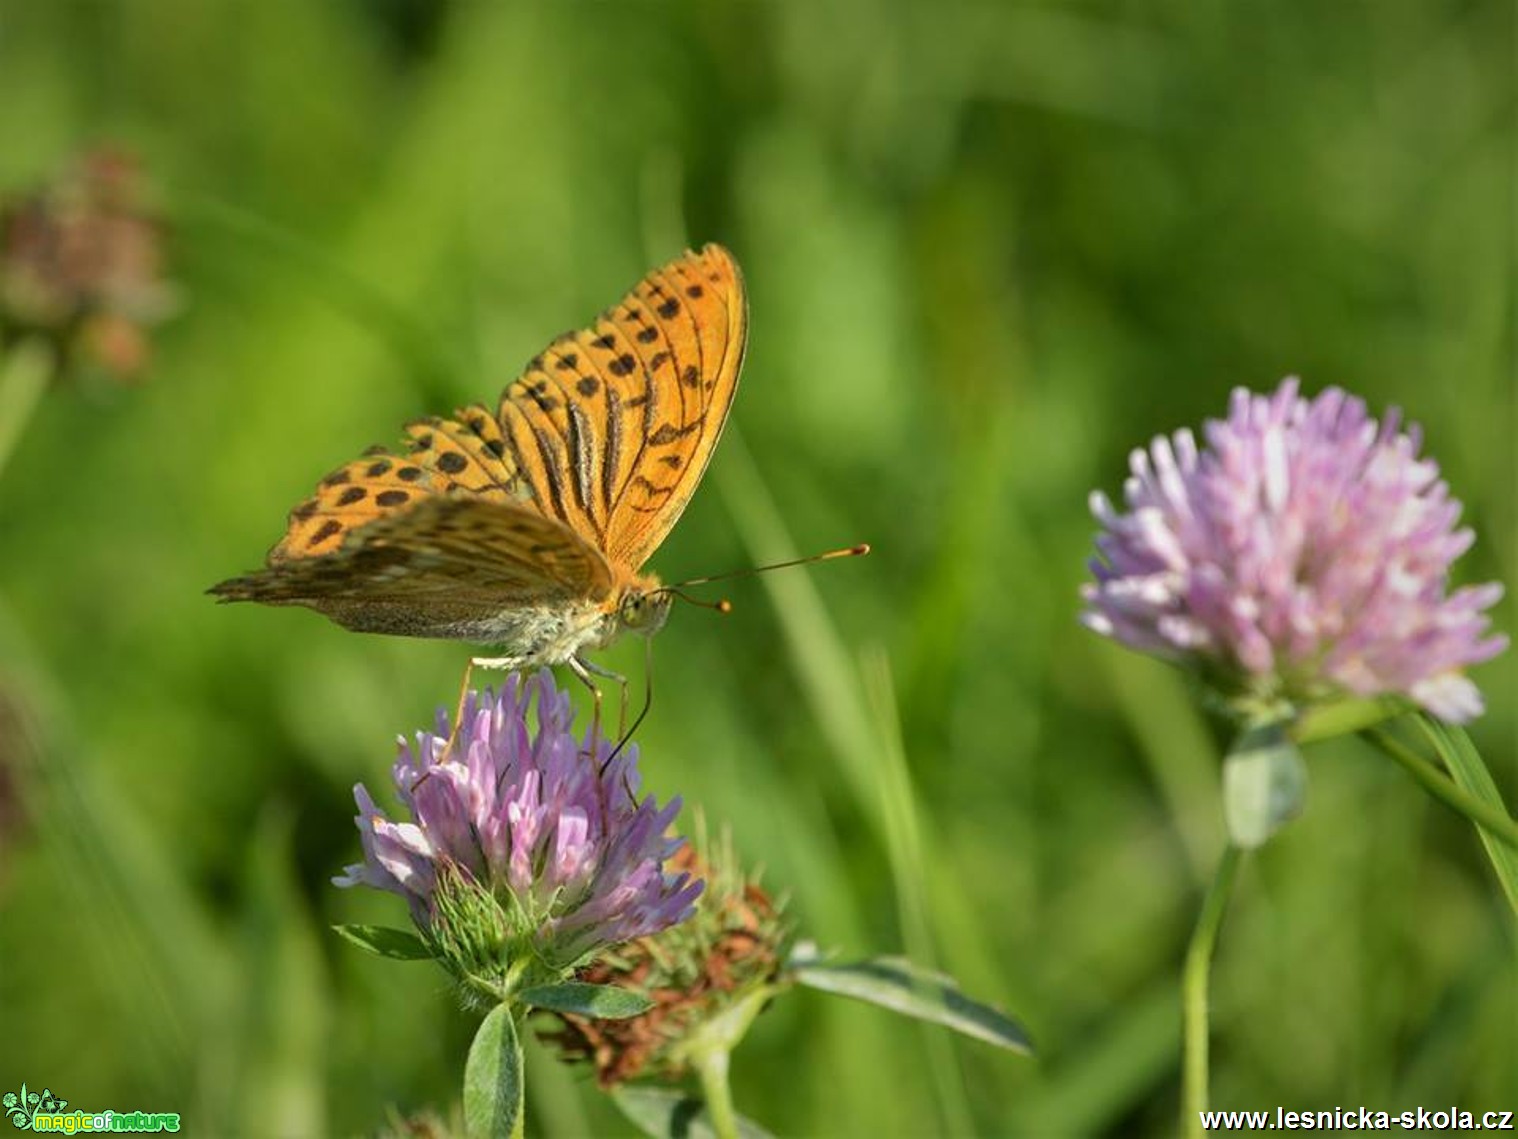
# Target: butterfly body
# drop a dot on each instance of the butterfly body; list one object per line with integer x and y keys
{"x": 535, "y": 635}
{"x": 547, "y": 633}
{"x": 526, "y": 527}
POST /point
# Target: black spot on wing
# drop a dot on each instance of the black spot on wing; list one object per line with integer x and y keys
{"x": 668, "y": 432}
{"x": 323, "y": 532}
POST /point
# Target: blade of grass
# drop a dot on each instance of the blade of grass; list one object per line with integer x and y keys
{"x": 873, "y": 761}
{"x": 1471, "y": 776}
{"x": 284, "y": 1004}
{"x": 24, "y": 374}
{"x": 168, "y": 968}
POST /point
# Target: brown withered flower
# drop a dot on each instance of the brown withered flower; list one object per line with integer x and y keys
{"x": 82, "y": 266}
{"x": 710, "y": 975}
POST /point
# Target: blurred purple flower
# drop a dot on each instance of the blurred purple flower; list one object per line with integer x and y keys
{"x": 547, "y": 825}
{"x": 1304, "y": 553}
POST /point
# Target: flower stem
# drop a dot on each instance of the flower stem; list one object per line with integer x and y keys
{"x": 1493, "y": 820}
{"x": 1194, "y": 993}
{"x": 24, "y": 374}
{"x": 712, "y": 1064}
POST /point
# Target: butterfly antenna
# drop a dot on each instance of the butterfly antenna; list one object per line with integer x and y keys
{"x": 722, "y": 606}
{"x": 847, "y": 552}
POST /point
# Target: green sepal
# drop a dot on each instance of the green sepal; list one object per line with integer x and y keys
{"x": 397, "y": 944}
{"x": 1264, "y": 784}
{"x": 1345, "y": 717}
{"x": 603, "y": 1002}
{"x": 897, "y": 984}
{"x": 664, "y": 1114}
{"x": 493, "y": 1079}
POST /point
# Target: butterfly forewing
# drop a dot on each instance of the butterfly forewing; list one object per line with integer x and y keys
{"x": 612, "y": 426}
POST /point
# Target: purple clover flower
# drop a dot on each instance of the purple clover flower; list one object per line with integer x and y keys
{"x": 1303, "y": 554}
{"x": 546, "y": 828}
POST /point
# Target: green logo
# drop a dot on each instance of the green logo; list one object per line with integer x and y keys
{"x": 23, "y": 1107}
{"x": 31, "y": 1111}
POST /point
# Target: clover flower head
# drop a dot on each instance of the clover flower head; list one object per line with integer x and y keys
{"x": 1301, "y": 554}
{"x": 522, "y": 845}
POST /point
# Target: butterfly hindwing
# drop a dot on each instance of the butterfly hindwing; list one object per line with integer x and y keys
{"x": 461, "y": 548}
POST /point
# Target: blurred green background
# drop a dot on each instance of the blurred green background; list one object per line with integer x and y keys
{"x": 990, "y": 248}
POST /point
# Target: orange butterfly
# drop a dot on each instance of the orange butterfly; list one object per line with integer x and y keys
{"x": 527, "y": 527}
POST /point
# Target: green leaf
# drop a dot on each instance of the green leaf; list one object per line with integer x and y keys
{"x": 399, "y": 944}
{"x": 1471, "y": 776}
{"x": 493, "y": 1079}
{"x": 604, "y": 1002}
{"x": 897, "y": 984}
{"x": 665, "y": 1114}
{"x": 1264, "y": 784}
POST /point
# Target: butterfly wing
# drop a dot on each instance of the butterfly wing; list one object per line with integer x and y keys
{"x": 558, "y": 496}
{"x": 611, "y": 427}
{"x": 445, "y": 567}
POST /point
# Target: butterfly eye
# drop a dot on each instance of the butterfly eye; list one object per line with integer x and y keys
{"x": 645, "y": 612}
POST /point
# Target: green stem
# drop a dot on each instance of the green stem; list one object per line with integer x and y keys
{"x": 518, "y": 1020}
{"x": 712, "y": 1064}
{"x": 1194, "y": 993}
{"x": 1495, "y": 821}
{"x": 24, "y": 375}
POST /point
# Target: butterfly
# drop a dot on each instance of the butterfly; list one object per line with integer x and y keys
{"x": 527, "y": 526}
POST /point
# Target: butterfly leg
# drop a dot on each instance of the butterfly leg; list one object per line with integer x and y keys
{"x": 585, "y": 667}
{"x": 458, "y": 715}
{"x": 578, "y": 667}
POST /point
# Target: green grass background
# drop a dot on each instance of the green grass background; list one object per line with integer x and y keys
{"x": 990, "y": 248}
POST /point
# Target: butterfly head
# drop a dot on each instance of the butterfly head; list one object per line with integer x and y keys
{"x": 643, "y": 609}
